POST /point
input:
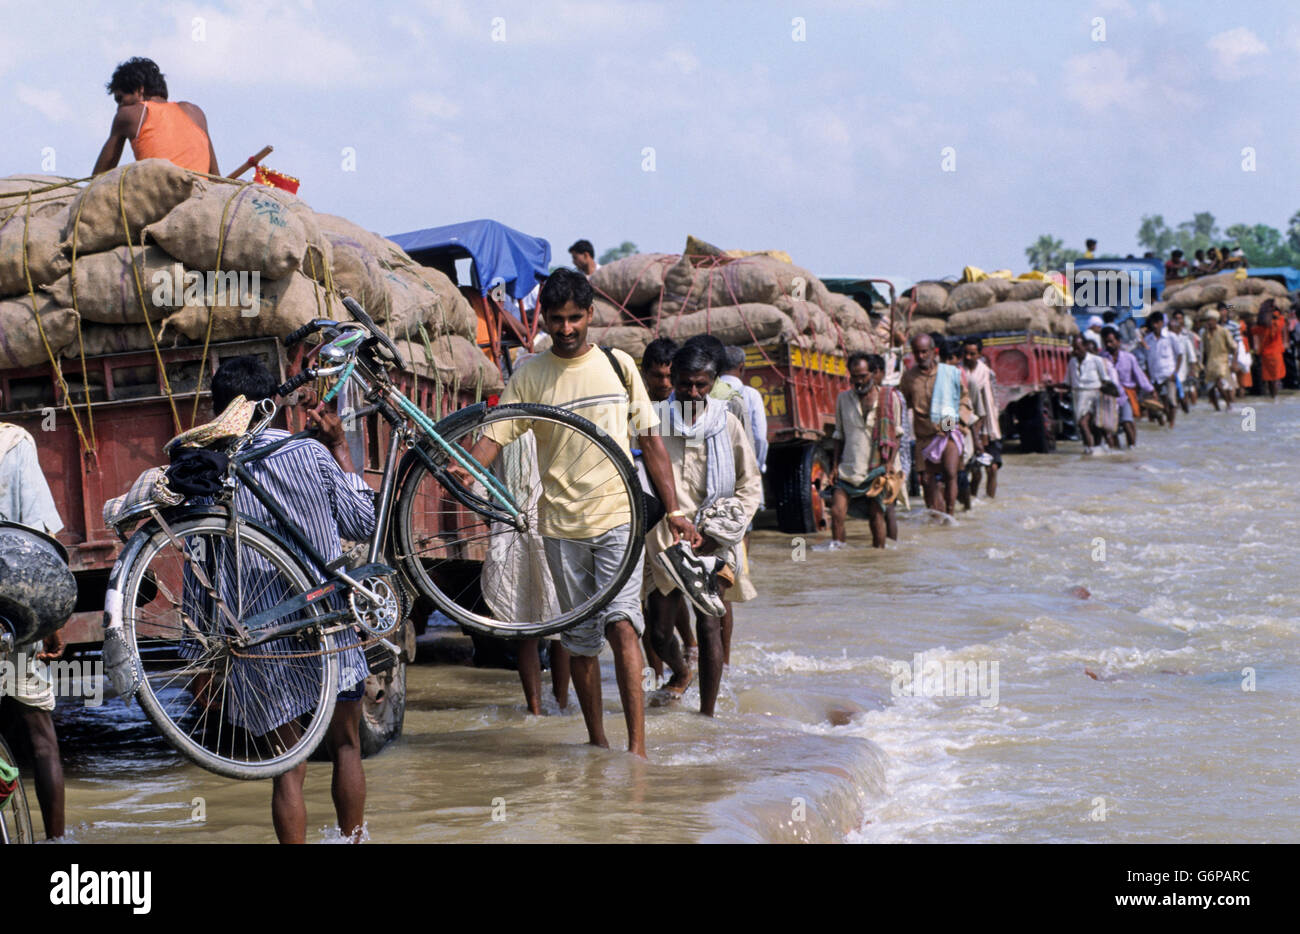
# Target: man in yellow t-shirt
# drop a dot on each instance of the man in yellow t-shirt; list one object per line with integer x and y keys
{"x": 584, "y": 530}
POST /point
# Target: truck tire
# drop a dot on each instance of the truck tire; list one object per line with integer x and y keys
{"x": 1037, "y": 424}
{"x": 792, "y": 486}
{"x": 383, "y": 709}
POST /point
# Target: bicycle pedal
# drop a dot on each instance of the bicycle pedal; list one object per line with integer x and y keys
{"x": 381, "y": 655}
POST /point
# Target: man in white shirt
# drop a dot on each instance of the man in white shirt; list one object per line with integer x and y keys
{"x": 984, "y": 403}
{"x": 1093, "y": 334}
{"x": 25, "y": 499}
{"x": 753, "y": 403}
{"x": 1085, "y": 372}
{"x": 584, "y": 257}
{"x": 1164, "y": 356}
{"x": 1189, "y": 366}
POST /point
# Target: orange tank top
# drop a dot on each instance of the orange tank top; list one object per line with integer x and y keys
{"x": 168, "y": 133}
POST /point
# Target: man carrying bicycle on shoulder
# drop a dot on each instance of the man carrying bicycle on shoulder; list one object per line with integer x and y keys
{"x": 582, "y": 542}
{"x": 317, "y": 486}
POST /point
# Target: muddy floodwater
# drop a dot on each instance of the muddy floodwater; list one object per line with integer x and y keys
{"x": 1160, "y": 708}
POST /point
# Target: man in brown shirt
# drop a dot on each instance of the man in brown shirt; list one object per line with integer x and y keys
{"x": 917, "y": 387}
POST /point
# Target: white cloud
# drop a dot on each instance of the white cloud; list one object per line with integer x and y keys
{"x": 49, "y": 102}
{"x": 565, "y": 21}
{"x": 428, "y": 105}
{"x": 685, "y": 61}
{"x": 1100, "y": 81}
{"x": 259, "y": 44}
{"x": 1117, "y": 6}
{"x": 1157, "y": 13}
{"x": 1234, "y": 52}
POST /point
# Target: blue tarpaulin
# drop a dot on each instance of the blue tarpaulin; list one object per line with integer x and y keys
{"x": 500, "y": 253}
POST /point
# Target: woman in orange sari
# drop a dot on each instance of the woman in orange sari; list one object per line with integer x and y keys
{"x": 1269, "y": 339}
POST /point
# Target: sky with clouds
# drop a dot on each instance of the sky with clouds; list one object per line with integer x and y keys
{"x": 822, "y": 128}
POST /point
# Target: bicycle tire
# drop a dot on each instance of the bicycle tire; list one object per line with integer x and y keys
{"x": 16, "y": 814}
{"x": 429, "y": 575}
{"x": 149, "y": 584}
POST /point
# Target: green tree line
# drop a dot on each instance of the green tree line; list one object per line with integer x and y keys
{"x": 1262, "y": 244}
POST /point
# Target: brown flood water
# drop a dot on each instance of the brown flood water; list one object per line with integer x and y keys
{"x": 1133, "y": 698}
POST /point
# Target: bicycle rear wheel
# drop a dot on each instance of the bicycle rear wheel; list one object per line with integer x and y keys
{"x": 570, "y": 479}
{"x": 245, "y": 713}
{"x": 15, "y": 813}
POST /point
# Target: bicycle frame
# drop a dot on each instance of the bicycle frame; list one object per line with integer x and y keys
{"x": 258, "y": 629}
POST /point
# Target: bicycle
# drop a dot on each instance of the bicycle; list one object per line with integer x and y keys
{"x": 220, "y": 625}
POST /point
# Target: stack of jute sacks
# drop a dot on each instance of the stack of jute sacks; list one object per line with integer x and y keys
{"x": 992, "y": 303}
{"x": 740, "y": 297}
{"x": 1243, "y": 295}
{"x": 151, "y": 253}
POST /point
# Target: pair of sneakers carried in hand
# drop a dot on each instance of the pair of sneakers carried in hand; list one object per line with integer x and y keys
{"x": 700, "y": 577}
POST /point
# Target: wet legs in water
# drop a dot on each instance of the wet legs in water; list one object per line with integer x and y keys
{"x": 628, "y": 663}
{"x": 348, "y": 788}
{"x": 49, "y": 768}
{"x": 661, "y": 624}
{"x": 530, "y": 673}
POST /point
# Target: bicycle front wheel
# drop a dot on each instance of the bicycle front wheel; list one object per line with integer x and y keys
{"x": 247, "y": 713}
{"x": 569, "y": 479}
{"x": 15, "y": 814}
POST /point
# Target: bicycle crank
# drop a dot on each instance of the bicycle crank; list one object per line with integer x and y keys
{"x": 379, "y": 611}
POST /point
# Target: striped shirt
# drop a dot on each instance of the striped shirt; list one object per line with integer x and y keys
{"x": 325, "y": 504}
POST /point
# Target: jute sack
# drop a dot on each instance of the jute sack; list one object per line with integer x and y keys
{"x": 455, "y": 314}
{"x": 100, "y": 339}
{"x": 319, "y": 255}
{"x": 382, "y": 250}
{"x": 970, "y": 295}
{"x": 605, "y": 314}
{"x": 747, "y": 323}
{"x": 1027, "y": 290}
{"x": 104, "y": 288}
{"x": 801, "y": 314}
{"x": 245, "y": 227}
{"x": 1186, "y": 297}
{"x": 863, "y": 341}
{"x": 750, "y": 280}
{"x": 924, "y": 325}
{"x": 631, "y": 340}
{"x": 1214, "y": 289}
{"x": 45, "y": 259}
{"x": 356, "y": 274}
{"x": 45, "y": 201}
{"x": 632, "y": 281}
{"x": 410, "y": 303}
{"x": 145, "y": 191}
{"x": 1003, "y": 316}
{"x": 455, "y": 362}
{"x": 284, "y": 305}
{"x": 931, "y": 299}
{"x": 1001, "y": 288}
{"x": 20, "y": 334}
{"x": 846, "y": 312}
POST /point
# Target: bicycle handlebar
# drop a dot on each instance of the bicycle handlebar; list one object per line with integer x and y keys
{"x": 306, "y": 329}
{"x": 295, "y": 381}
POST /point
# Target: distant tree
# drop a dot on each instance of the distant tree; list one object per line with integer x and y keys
{"x": 1198, "y": 233}
{"x": 1049, "y": 253}
{"x": 626, "y": 248}
{"x": 1262, "y": 244}
{"x": 1293, "y": 233}
{"x": 1155, "y": 235}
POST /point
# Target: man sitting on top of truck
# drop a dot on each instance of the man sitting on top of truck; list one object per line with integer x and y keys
{"x": 156, "y": 127}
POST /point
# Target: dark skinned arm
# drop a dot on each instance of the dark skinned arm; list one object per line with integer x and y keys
{"x": 125, "y": 123}
{"x": 660, "y": 469}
